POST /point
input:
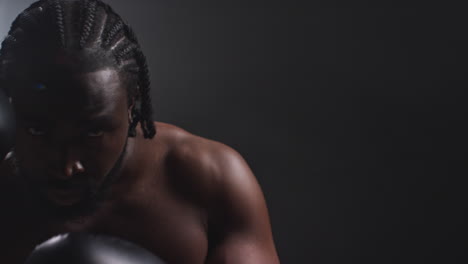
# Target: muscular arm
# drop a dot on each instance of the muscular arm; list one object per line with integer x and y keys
{"x": 239, "y": 217}
{"x": 238, "y": 224}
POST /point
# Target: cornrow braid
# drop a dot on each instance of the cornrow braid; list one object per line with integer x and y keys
{"x": 27, "y": 20}
{"x": 9, "y": 42}
{"x": 114, "y": 40}
{"x": 110, "y": 36}
{"x": 26, "y": 14}
{"x": 88, "y": 22}
{"x": 122, "y": 52}
{"x": 60, "y": 23}
{"x": 144, "y": 84}
{"x": 145, "y": 114}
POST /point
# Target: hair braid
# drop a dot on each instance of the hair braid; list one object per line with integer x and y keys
{"x": 144, "y": 85}
{"x": 88, "y": 22}
{"x": 60, "y": 22}
{"x": 110, "y": 35}
{"x": 8, "y": 43}
{"x": 27, "y": 20}
{"x": 122, "y": 52}
{"x": 146, "y": 106}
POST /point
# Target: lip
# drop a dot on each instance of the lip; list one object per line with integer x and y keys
{"x": 64, "y": 197}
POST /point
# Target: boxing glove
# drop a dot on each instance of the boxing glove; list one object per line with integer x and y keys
{"x": 83, "y": 248}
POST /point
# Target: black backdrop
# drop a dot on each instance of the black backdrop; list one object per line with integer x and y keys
{"x": 350, "y": 117}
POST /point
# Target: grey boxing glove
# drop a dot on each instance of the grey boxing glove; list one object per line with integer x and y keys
{"x": 82, "y": 248}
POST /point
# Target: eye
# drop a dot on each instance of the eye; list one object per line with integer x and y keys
{"x": 36, "y": 131}
{"x": 95, "y": 133}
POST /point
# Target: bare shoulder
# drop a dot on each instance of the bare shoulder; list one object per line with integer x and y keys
{"x": 200, "y": 164}
{"x": 209, "y": 172}
{"x": 217, "y": 178}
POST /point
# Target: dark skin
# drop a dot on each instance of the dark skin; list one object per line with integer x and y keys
{"x": 185, "y": 198}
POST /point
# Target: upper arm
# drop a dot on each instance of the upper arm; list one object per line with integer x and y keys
{"x": 217, "y": 178}
{"x": 237, "y": 217}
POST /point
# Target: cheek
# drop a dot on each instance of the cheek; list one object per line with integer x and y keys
{"x": 30, "y": 153}
{"x": 101, "y": 154}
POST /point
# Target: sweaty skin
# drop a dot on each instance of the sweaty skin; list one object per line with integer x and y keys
{"x": 185, "y": 198}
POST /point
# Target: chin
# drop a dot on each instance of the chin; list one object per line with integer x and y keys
{"x": 65, "y": 206}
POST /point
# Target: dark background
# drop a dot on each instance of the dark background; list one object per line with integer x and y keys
{"x": 352, "y": 118}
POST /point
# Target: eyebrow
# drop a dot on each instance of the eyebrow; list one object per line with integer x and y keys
{"x": 100, "y": 119}
{"x": 32, "y": 117}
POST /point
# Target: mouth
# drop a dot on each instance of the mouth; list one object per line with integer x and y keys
{"x": 65, "y": 196}
{"x": 65, "y": 193}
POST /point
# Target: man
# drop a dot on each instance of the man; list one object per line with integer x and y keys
{"x": 87, "y": 157}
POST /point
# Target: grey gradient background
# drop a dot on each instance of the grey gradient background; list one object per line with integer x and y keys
{"x": 350, "y": 117}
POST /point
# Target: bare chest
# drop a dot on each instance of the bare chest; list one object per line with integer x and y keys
{"x": 170, "y": 229}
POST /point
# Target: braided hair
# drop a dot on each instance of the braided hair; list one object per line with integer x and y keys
{"x": 81, "y": 25}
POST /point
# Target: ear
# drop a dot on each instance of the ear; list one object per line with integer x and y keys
{"x": 130, "y": 109}
{"x": 132, "y": 102}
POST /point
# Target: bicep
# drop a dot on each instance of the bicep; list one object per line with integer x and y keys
{"x": 237, "y": 249}
{"x": 239, "y": 217}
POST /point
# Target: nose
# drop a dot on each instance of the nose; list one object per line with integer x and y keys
{"x": 70, "y": 164}
{"x": 72, "y": 167}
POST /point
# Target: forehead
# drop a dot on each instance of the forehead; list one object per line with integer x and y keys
{"x": 69, "y": 93}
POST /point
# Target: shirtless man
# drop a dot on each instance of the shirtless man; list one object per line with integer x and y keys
{"x": 87, "y": 156}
